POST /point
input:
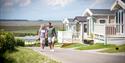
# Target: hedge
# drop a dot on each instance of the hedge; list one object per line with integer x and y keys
{"x": 20, "y": 42}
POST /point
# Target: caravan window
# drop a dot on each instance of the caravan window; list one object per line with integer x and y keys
{"x": 102, "y": 21}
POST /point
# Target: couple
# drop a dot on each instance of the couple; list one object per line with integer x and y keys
{"x": 49, "y": 33}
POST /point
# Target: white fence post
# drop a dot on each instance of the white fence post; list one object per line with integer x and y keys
{"x": 105, "y": 40}
{"x": 82, "y": 32}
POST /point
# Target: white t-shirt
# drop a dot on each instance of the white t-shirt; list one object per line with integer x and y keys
{"x": 42, "y": 33}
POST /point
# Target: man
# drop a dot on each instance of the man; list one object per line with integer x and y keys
{"x": 51, "y": 33}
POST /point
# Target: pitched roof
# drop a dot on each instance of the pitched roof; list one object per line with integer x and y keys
{"x": 70, "y": 19}
{"x": 81, "y": 18}
{"x": 118, "y": 3}
{"x": 123, "y": 1}
{"x": 101, "y": 11}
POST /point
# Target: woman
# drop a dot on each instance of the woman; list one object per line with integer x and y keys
{"x": 42, "y": 35}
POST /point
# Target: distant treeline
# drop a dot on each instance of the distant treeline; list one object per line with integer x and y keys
{"x": 24, "y": 30}
{"x": 24, "y": 27}
{"x": 28, "y": 23}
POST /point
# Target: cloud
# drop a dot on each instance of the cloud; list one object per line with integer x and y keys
{"x": 23, "y": 3}
{"x": 60, "y": 3}
{"x": 8, "y": 3}
{"x": 96, "y": 2}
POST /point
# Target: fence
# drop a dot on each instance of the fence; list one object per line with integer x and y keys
{"x": 109, "y": 29}
{"x": 104, "y": 32}
{"x": 67, "y": 36}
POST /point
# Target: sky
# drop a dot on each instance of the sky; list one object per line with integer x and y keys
{"x": 48, "y": 9}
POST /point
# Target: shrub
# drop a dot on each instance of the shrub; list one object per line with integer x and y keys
{"x": 7, "y": 41}
{"x": 10, "y": 41}
{"x": 2, "y": 41}
{"x": 90, "y": 42}
{"x": 56, "y": 41}
{"x": 20, "y": 42}
{"x": 23, "y": 34}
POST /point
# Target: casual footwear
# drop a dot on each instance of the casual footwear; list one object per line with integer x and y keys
{"x": 42, "y": 50}
{"x": 52, "y": 50}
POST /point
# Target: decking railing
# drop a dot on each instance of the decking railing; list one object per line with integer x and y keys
{"x": 114, "y": 30}
{"x": 117, "y": 30}
{"x": 110, "y": 29}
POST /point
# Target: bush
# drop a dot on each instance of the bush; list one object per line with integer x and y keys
{"x": 10, "y": 41}
{"x": 56, "y": 41}
{"x": 24, "y": 34}
{"x": 90, "y": 42}
{"x": 2, "y": 41}
{"x": 20, "y": 42}
{"x": 7, "y": 41}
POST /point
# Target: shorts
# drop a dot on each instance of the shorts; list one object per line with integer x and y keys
{"x": 42, "y": 40}
{"x": 51, "y": 39}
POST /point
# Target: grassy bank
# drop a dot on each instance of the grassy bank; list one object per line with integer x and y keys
{"x": 78, "y": 46}
{"x": 95, "y": 46}
{"x": 71, "y": 45}
{"x": 25, "y": 55}
{"x": 117, "y": 49}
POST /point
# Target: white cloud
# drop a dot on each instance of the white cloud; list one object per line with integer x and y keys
{"x": 8, "y": 3}
{"x": 60, "y": 3}
{"x": 23, "y": 3}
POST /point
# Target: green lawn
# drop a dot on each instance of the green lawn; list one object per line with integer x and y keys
{"x": 95, "y": 46}
{"x": 121, "y": 48}
{"x": 25, "y": 31}
{"x": 71, "y": 45}
{"x": 58, "y": 44}
{"x": 79, "y": 46}
{"x": 25, "y": 55}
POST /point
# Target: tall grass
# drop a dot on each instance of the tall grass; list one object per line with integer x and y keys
{"x": 25, "y": 55}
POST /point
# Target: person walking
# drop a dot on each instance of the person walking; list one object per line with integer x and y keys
{"x": 42, "y": 36}
{"x": 51, "y": 33}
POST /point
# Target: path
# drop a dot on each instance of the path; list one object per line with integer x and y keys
{"x": 76, "y": 56}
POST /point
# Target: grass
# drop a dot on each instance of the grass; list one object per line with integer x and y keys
{"x": 24, "y": 29}
{"x": 95, "y": 46}
{"x": 25, "y": 55}
{"x": 110, "y": 48}
{"x": 30, "y": 43}
{"x": 35, "y": 44}
{"x": 20, "y": 29}
{"x": 79, "y": 46}
{"x": 121, "y": 48}
{"x": 58, "y": 45}
{"x": 71, "y": 45}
